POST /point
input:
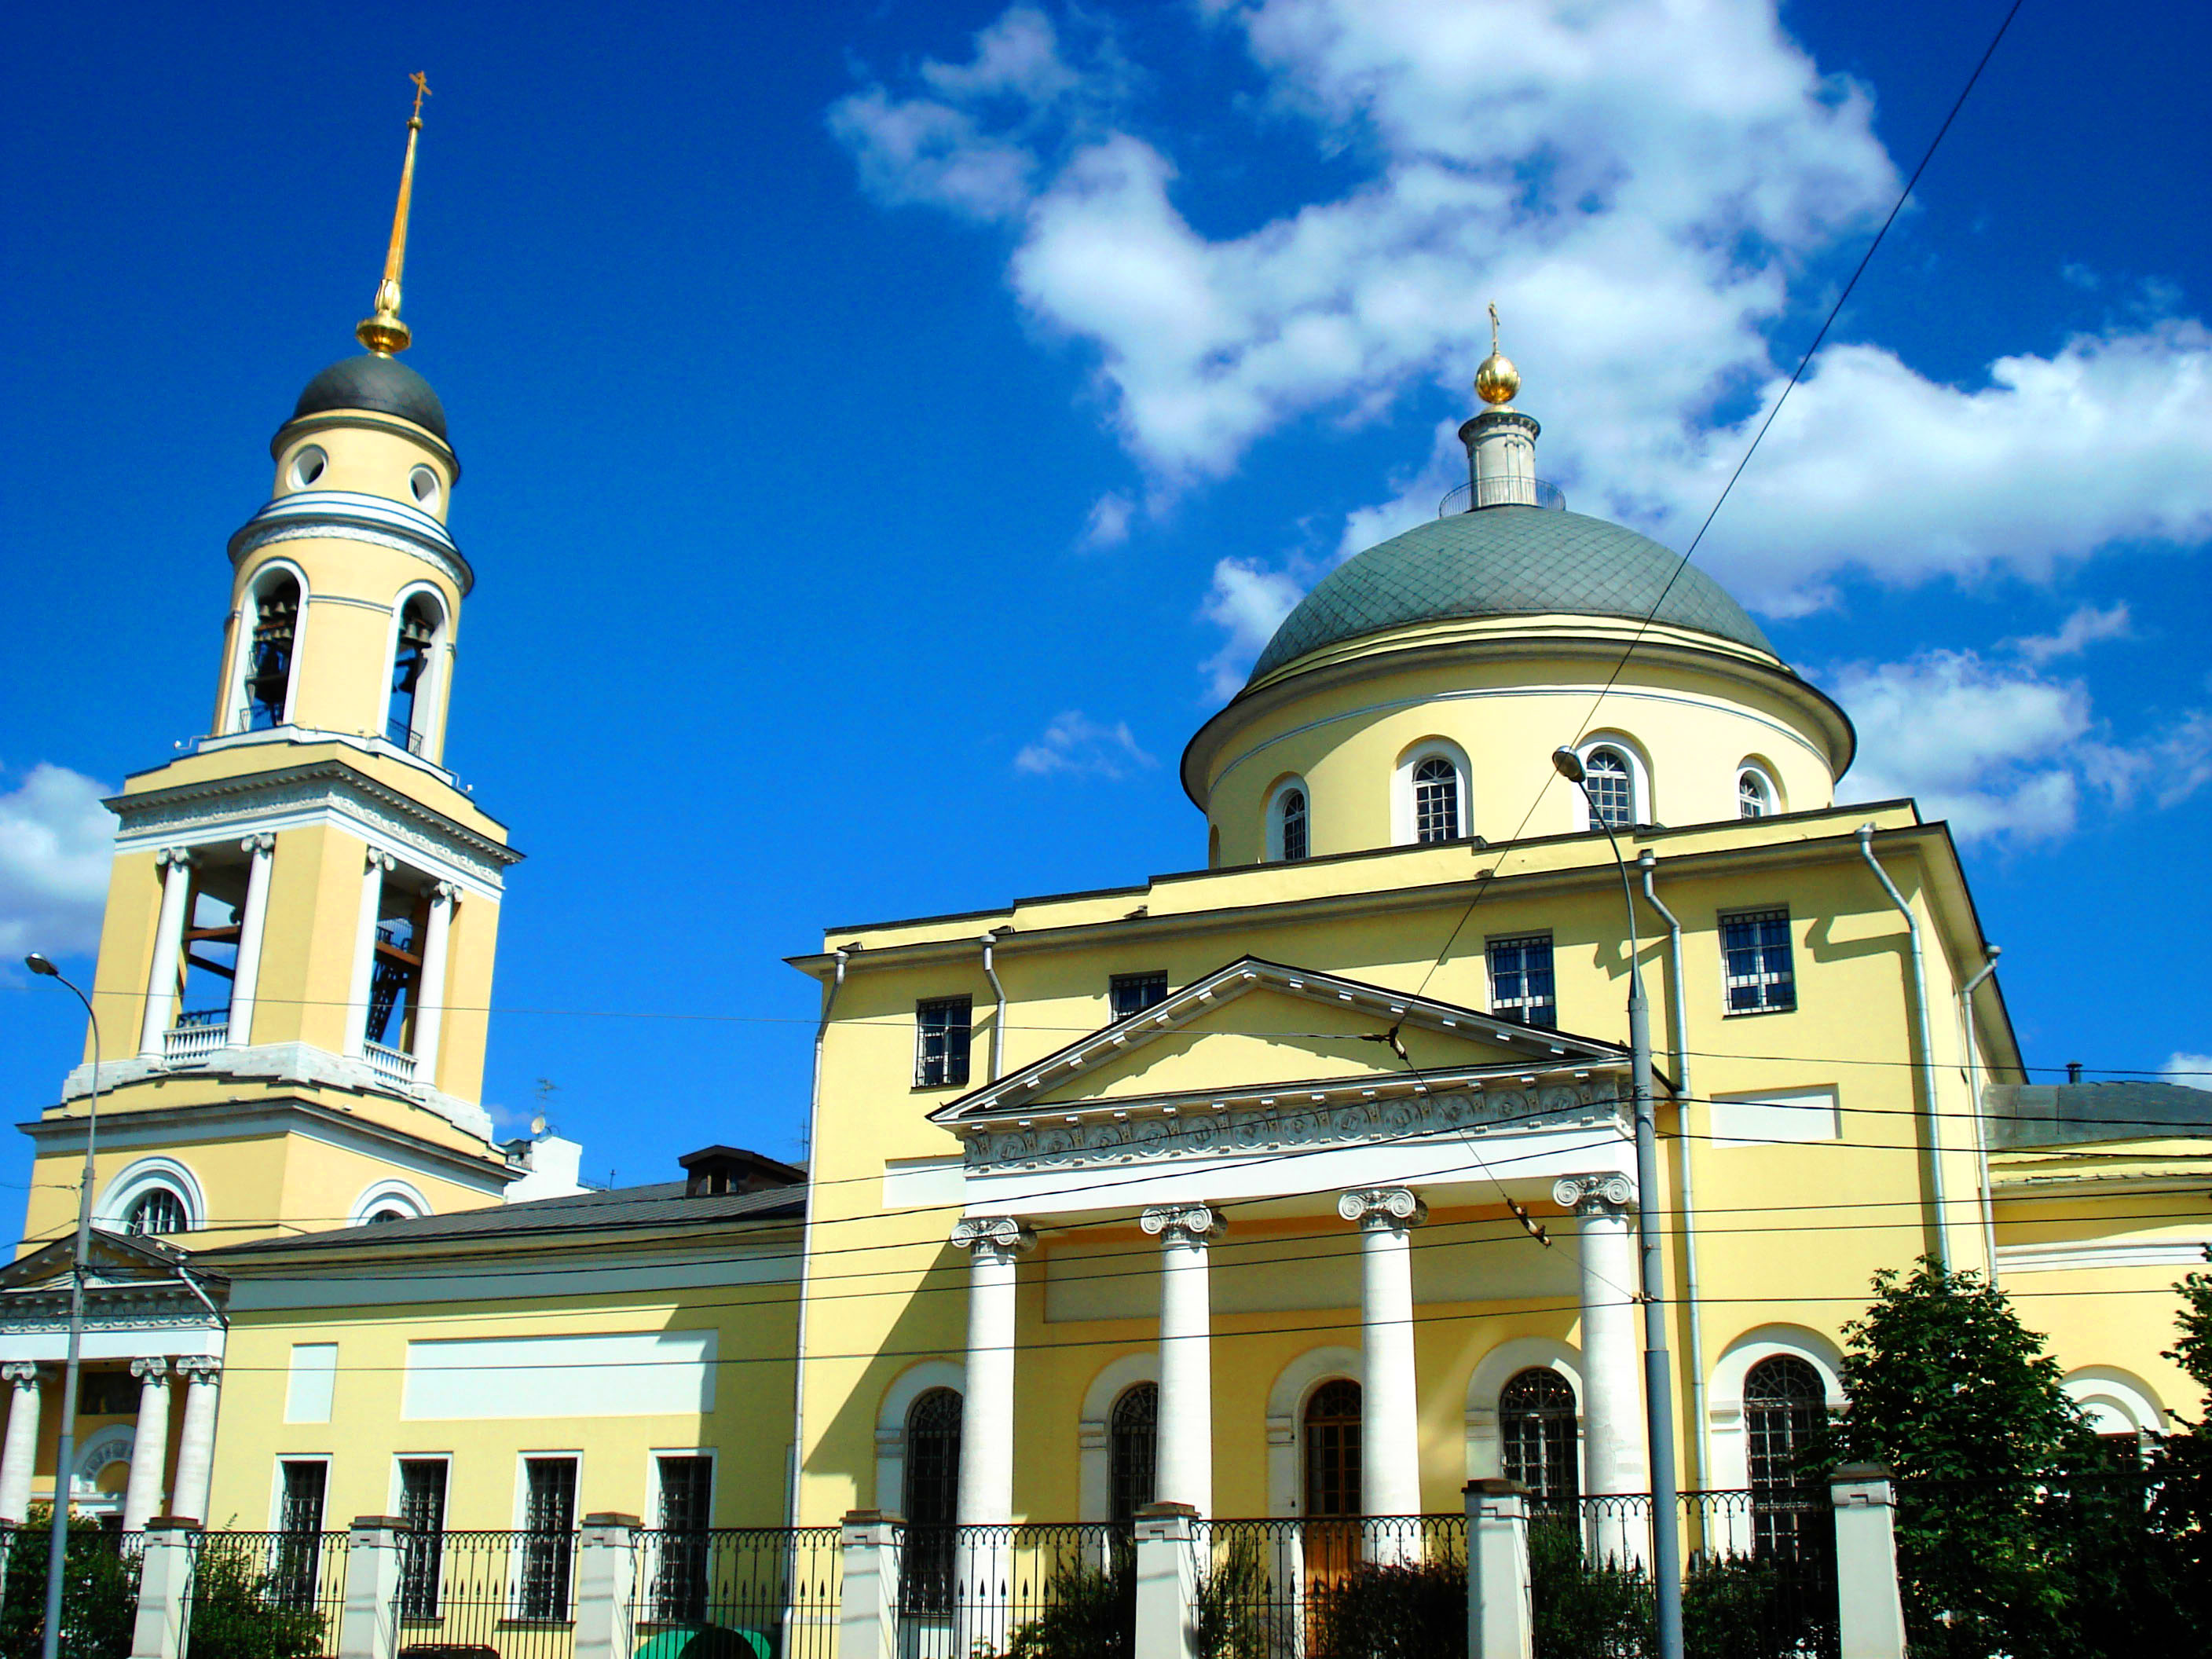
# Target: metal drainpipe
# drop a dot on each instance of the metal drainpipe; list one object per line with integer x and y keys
{"x": 1926, "y": 1067}
{"x": 807, "y": 1233}
{"x": 1974, "y": 1097}
{"x": 1679, "y": 1017}
{"x": 998, "y": 1018}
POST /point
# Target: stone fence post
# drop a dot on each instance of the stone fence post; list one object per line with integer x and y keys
{"x": 606, "y": 1572}
{"x": 1870, "y": 1616}
{"x": 1500, "y": 1622}
{"x": 870, "y": 1542}
{"x": 1167, "y": 1582}
{"x": 369, "y": 1627}
{"x": 165, "y": 1572}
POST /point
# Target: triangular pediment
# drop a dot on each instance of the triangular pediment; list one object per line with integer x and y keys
{"x": 1255, "y": 1026}
{"x": 112, "y": 1258}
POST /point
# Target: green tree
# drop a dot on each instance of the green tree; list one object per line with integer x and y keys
{"x": 100, "y": 1590}
{"x": 2183, "y": 1467}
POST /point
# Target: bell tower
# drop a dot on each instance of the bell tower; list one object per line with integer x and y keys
{"x": 296, "y": 959}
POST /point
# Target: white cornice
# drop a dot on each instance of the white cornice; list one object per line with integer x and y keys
{"x": 348, "y": 516}
{"x": 2079, "y": 1255}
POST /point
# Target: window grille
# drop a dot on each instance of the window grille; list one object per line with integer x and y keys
{"x": 1522, "y": 988}
{"x": 941, "y": 1029}
{"x": 1436, "y": 800}
{"x": 1752, "y": 800}
{"x": 549, "y": 1522}
{"x": 1293, "y": 808}
{"x": 292, "y": 1574}
{"x": 159, "y": 1211}
{"x": 1536, "y": 1434}
{"x": 1785, "y": 1408}
{"x": 679, "y": 1585}
{"x": 1755, "y": 955}
{"x": 1132, "y": 993}
{"x": 932, "y": 1501}
{"x": 1133, "y": 1434}
{"x": 421, "y": 1550}
{"x": 1612, "y": 788}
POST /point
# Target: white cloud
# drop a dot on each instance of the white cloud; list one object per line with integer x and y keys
{"x": 1108, "y": 524}
{"x": 1249, "y": 602}
{"x": 2086, "y": 626}
{"x": 2191, "y": 1070}
{"x": 1074, "y": 743}
{"x": 56, "y": 843}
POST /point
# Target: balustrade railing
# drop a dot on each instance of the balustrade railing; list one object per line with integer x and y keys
{"x": 394, "y": 1065}
{"x": 196, "y": 1035}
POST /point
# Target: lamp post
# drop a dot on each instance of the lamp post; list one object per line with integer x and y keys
{"x": 65, "y": 1450}
{"x": 1658, "y": 1385}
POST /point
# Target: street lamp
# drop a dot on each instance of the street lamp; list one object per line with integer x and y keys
{"x": 65, "y": 1451}
{"x": 1658, "y": 1385}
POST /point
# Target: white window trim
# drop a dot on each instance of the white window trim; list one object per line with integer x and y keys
{"x": 908, "y": 1386}
{"x": 1286, "y": 1410}
{"x": 515, "y": 1557}
{"x": 1283, "y": 786}
{"x": 390, "y": 1190}
{"x": 652, "y": 1457}
{"x": 1729, "y": 1452}
{"x": 2123, "y": 1392}
{"x": 1752, "y": 767}
{"x": 112, "y": 1444}
{"x": 430, "y": 695}
{"x": 241, "y": 650}
{"x": 137, "y": 1180}
{"x": 1485, "y": 1451}
{"x": 397, "y": 1487}
{"x": 277, "y": 1485}
{"x": 1095, "y": 1435}
{"x": 1639, "y": 779}
{"x": 1405, "y": 820}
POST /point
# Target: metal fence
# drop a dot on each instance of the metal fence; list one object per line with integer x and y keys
{"x": 266, "y": 1592}
{"x": 509, "y": 1594}
{"x": 969, "y": 1589}
{"x": 755, "y": 1593}
{"x": 1314, "y": 1588}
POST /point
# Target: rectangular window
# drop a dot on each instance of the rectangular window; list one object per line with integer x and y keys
{"x": 107, "y": 1394}
{"x": 1132, "y": 993}
{"x": 940, "y": 1043}
{"x": 294, "y": 1562}
{"x": 312, "y": 1384}
{"x": 301, "y": 1508}
{"x": 1521, "y": 985}
{"x": 1755, "y": 958}
{"x": 422, "y": 1551}
{"x": 548, "y": 1544}
{"x": 687, "y": 1498}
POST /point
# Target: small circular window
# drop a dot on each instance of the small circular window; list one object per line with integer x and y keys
{"x": 308, "y": 464}
{"x": 424, "y": 483}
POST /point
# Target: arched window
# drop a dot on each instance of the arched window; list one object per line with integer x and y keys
{"x": 931, "y": 1500}
{"x": 381, "y": 1216}
{"x": 1132, "y": 1430}
{"x": 275, "y": 618}
{"x": 1536, "y": 1434}
{"x": 1291, "y": 840}
{"x": 1612, "y": 786}
{"x": 1754, "y": 795}
{"x": 406, "y": 709}
{"x": 1785, "y": 1405}
{"x": 158, "y": 1210}
{"x": 1332, "y": 1449}
{"x": 1435, "y": 800}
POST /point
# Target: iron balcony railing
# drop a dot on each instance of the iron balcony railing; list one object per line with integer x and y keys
{"x": 1503, "y": 492}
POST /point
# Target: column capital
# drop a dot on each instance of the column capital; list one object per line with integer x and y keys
{"x": 1002, "y": 1236}
{"x": 166, "y": 856}
{"x": 1594, "y": 1194}
{"x": 378, "y": 859}
{"x": 21, "y": 1373}
{"x": 263, "y": 842}
{"x": 447, "y": 892}
{"x": 200, "y": 1368}
{"x": 154, "y": 1370}
{"x": 1383, "y": 1209}
{"x": 1183, "y": 1224}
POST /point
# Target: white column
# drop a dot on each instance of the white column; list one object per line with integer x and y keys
{"x": 867, "y": 1605}
{"x": 1390, "y": 1403}
{"x": 165, "y": 1570}
{"x": 149, "y": 1448}
{"x": 1870, "y": 1613}
{"x": 1498, "y": 1625}
{"x": 175, "y": 864}
{"x": 1167, "y": 1569}
{"x": 20, "y": 1456}
{"x": 606, "y": 1571}
{"x": 1614, "y": 1457}
{"x": 430, "y": 994}
{"x": 373, "y": 871}
{"x": 986, "y": 1402}
{"x": 258, "y": 850}
{"x": 1183, "y": 1472}
{"x": 196, "y": 1440}
{"x": 368, "y": 1627}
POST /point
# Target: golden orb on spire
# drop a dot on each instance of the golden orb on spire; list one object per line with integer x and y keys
{"x": 1496, "y": 380}
{"x": 382, "y": 331}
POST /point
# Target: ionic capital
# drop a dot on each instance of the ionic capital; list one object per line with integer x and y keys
{"x": 200, "y": 1368}
{"x": 999, "y": 1236}
{"x": 1183, "y": 1224}
{"x": 150, "y": 1370}
{"x": 381, "y": 860}
{"x": 21, "y": 1373}
{"x": 166, "y": 856}
{"x": 1594, "y": 1194}
{"x": 254, "y": 845}
{"x": 445, "y": 892}
{"x": 1383, "y": 1209}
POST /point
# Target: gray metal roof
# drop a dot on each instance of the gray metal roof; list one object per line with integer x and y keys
{"x": 1503, "y": 562}
{"x": 370, "y": 382}
{"x": 2064, "y": 1114}
{"x": 662, "y": 1204}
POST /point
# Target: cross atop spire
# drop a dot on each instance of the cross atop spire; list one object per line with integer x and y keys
{"x": 383, "y": 332}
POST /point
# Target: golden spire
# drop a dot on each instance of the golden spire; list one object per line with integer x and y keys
{"x": 384, "y": 333}
{"x": 1496, "y": 380}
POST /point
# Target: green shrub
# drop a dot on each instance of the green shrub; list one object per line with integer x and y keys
{"x": 1393, "y": 1612}
{"x": 1092, "y": 1615}
{"x": 1232, "y": 1602}
{"x": 240, "y": 1612}
{"x": 1583, "y": 1612}
{"x": 100, "y": 1590}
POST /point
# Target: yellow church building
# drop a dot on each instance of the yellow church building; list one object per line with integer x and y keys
{"x": 1301, "y": 1185}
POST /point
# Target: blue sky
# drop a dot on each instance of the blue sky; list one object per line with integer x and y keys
{"x": 890, "y": 429}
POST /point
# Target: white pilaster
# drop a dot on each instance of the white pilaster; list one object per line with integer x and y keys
{"x": 987, "y": 1405}
{"x": 1498, "y": 1624}
{"x": 149, "y": 1448}
{"x": 1390, "y": 1403}
{"x": 868, "y": 1606}
{"x": 1614, "y": 1457}
{"x": 1870, "y": 1614}
{"x": 430, "y": 997}
{"x": 258, "y": 850}
{"x": 175, "y": 864}
{"x": 195, "y": 1440}
{"x": 377, "y": 865}
{"x": 20, "y": 1456}
{"x": 1183, "y": 1473}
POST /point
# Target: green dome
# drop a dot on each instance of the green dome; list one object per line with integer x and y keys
{"x": 1507, "y": 562}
